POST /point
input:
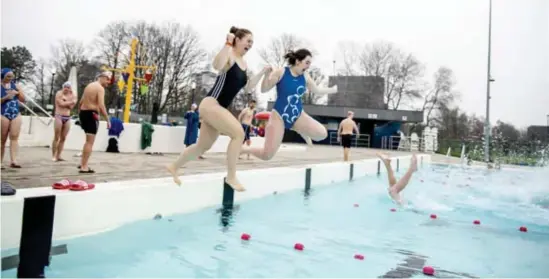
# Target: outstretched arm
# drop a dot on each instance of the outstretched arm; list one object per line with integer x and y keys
{"x": 254, "y": 80}
{"x": 271, "y": 79}
{"x": 318, "y": 91}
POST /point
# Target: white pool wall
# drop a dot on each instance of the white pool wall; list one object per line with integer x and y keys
{"x": 114, "y": 204}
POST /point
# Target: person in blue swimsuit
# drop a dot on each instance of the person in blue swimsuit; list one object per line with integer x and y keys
{"x": 292, "y": 82}
{"x": 12, "y": 94}
{"x": 216, "y": 118}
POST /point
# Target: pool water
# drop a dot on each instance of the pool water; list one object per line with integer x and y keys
{"x": 332, "y": 230}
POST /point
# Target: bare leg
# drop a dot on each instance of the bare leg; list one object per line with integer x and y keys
{"x": 274, "y": 132}
{"x": 248, "y": 143}
{"x": 61, "y": 143}
{"x": 346, "y": 154}
{"x": 57, "y": 128}
{"x": 401, "y": 184}
{"x": 86, "y": 152}
{"x": 387, "y": 162}
{"x": 15, "y": 129}
{"x": 224, "y": 122}
{"x": 5, "y": 132}
{"x": 208, "y": 136}
{"x": 309, "y": 128}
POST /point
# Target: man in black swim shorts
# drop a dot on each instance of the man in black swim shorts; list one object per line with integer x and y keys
{"x": 91, "y": 104}
{"x": 345, "y": 134}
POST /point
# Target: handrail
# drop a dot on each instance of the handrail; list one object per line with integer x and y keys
{"x": 362, "y": 138}
{"x": 34, "y": 113}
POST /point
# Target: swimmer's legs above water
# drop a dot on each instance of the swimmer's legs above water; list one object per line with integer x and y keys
{"x": 395, "y": 187}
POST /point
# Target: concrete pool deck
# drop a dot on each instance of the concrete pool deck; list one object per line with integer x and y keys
{"x": 39, "y": 171}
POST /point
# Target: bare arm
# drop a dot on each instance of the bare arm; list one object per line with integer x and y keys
{"x": 254, "y": 80}
{"x": 319, "y": 91}
{"x": 355, "y": 127}
{"x": 222, "y": 58}
{"x": 72, "y": 102}
{"x": 101, "y": 101}
{"x": 339, "y": 129}
{"x": 8, "y": 96}
{"x": 244, "y": 111}
{"x": 21, "y": 95}
{"x": 271, "y": 79}
{"x": 59, "y": 101}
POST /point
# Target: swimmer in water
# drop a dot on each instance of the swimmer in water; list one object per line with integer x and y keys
{"x": 395, "y": 187}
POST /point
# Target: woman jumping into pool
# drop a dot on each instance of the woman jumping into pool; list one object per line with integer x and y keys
{"x": 216, "y": 118}
{"x": 395, "y": 187}
{"x": 291, "y": 83}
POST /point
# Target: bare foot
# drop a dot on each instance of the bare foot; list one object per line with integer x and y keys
{"x": 235, "y": 184}
{"x": 308, "y": 141}
{"x": 171, "y": 169}
{"x": 413, "y": 164}
{"x": 384, "y": 158}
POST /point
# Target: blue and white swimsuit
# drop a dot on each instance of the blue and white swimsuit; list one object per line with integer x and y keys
{"x": 290, "y": 90}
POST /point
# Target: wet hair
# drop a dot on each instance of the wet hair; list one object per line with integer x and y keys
{"x": 298, "y": 55}
{"x": 239, "y": 33}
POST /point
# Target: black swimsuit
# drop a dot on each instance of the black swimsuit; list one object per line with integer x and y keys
{"x": 228, "y": 84}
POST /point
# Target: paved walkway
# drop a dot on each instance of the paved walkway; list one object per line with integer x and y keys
{"x": 39, "y": 171}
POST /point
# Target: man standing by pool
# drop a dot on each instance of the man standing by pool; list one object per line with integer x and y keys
{"x": 345, "y": 134}
{"x": 91, "y": 105}
{"x": 246, "y": 116}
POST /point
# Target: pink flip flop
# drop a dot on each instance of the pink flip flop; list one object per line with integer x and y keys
{"x": 80, "y": 185}
{"x": 62, "y": 184}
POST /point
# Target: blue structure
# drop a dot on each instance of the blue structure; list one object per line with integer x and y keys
{"x": 386, "y": 130}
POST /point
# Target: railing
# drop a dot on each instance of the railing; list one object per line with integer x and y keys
{"x": 363, "y": 140}
{"x": 34, "y": 113}
{"x": 402, "y": 144}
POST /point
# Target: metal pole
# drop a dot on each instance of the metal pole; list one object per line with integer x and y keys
{"x": 488, "y": 80}
{"x": 129, "y": 87}
{"x": 51, "y": 88}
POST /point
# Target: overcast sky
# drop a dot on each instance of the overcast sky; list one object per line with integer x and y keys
{"x": 452, "y": 33}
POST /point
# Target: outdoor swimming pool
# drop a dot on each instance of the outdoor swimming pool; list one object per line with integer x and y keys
{"x": 332, "y": 230}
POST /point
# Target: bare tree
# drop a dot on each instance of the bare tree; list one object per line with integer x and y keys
{"x": 349, "y": 52}
{"x": 40, "y": 82}
{"x": 279, "y": 46}
{"x": 66, "y": 54}
{"x": 441, "y": 93}
{"x": 176, "y": 52}
{"x": 403, "y": 75}
{"x": 112, "y": 46}
{"x": 401, "y": 71}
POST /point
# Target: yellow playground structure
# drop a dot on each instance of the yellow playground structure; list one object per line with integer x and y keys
{"x": 129, "y": 78}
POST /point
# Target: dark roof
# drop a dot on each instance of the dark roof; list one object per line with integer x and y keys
{"x": 362, "y": 113}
